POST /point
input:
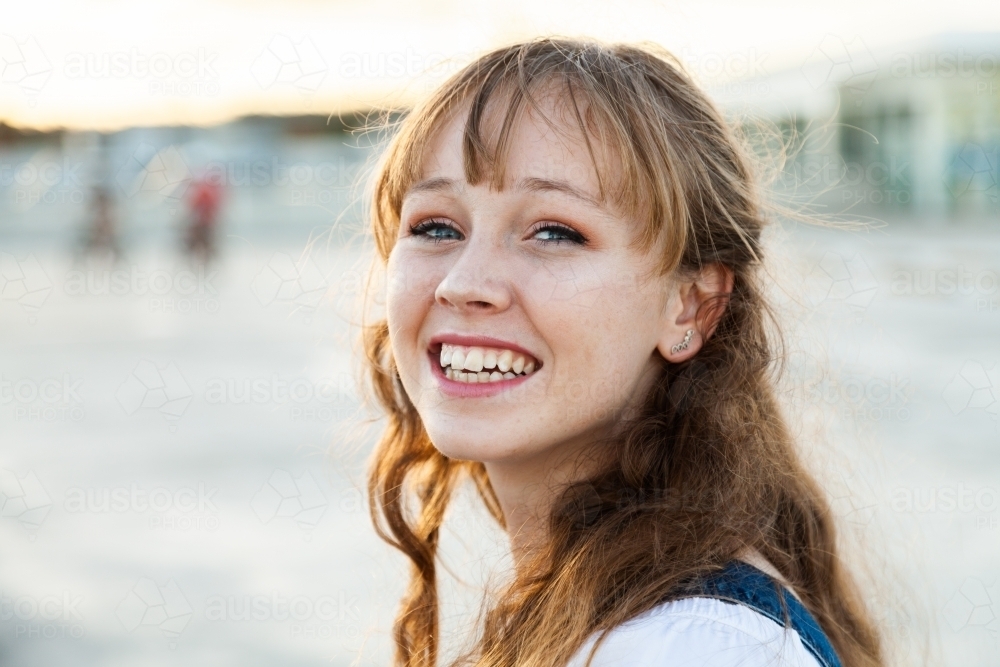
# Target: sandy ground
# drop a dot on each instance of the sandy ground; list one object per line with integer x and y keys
{"x": 178, "y": 489}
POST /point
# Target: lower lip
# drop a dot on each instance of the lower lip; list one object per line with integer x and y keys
{"x": 458, "y": 389}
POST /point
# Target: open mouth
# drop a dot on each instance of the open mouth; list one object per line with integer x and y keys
{"x": 481, "y": 365}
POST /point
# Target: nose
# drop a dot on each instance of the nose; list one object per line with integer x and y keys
{"x": 477, "y": 281}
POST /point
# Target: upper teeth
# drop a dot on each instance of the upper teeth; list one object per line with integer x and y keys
{"x": 460, "y": 357}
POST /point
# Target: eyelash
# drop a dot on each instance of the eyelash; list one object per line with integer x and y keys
{"x": 422, "y": 229}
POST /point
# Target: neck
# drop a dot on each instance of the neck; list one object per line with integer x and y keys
{"x": 528, "y": 488}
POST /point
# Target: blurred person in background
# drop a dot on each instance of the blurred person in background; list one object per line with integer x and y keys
{"x": 100, "y": 239}
{"x": 204, "y": 199}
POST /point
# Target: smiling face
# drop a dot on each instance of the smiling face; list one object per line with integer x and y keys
{"x": 541, "y": 265}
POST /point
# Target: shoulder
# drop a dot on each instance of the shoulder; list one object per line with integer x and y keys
{"x": 699, "y": 631}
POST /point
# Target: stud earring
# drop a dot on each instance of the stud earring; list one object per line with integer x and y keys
{"x": 683, "y": 345}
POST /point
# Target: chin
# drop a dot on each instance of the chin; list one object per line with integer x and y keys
{"x": 464, "y": 449}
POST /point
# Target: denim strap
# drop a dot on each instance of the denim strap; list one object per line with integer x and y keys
{"x": 742, "y": 583}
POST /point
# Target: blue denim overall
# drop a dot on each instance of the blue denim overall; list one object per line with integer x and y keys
{"x": 742, "y": 583}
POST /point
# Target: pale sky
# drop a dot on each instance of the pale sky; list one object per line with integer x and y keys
{"x": 106, "y": 64}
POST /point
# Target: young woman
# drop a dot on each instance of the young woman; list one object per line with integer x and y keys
{"x": 574, "y": 322}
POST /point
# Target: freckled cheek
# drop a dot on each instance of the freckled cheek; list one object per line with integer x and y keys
{"x": 599, "y": 344}
{"x": 410, "y": 286}
{"x": 571, "y": 283}
{"x": 580, "y": 318}
{"x": 413, "y": 278}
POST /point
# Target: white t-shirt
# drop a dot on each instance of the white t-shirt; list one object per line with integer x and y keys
{"x": 698, "y": 632}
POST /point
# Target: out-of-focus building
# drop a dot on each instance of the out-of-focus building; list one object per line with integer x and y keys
{"x": 913, "y": 130}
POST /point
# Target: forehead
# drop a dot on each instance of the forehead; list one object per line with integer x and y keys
{"x": 545, "y": 147}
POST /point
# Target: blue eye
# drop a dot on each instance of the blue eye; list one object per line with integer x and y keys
{"x": 427, "y": 226}
{"x": 568, "y": 234}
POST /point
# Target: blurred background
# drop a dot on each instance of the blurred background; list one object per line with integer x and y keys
{"x": 181, "y": 248}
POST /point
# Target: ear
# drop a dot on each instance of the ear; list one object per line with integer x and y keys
{"x": 711, "y": 288}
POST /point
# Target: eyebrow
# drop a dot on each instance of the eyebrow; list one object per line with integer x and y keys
{"x": 527, "y": 184}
